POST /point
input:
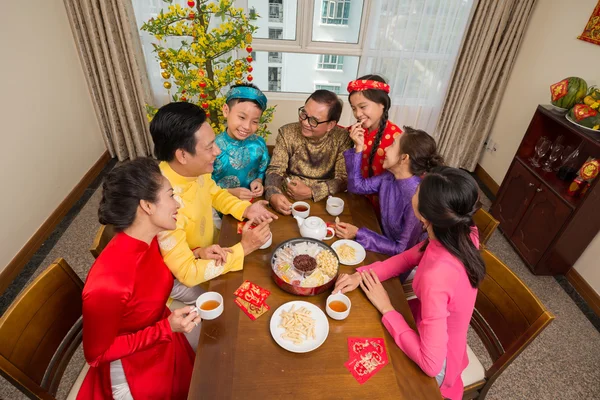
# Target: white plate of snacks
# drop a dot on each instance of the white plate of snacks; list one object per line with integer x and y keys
{"x": 299, "y": 326}
{"x": 349, "y": 252}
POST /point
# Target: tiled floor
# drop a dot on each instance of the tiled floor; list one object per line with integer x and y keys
{"x": 562, "y": 363}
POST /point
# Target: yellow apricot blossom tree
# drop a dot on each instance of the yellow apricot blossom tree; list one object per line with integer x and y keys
{"x": 206, "y": 63}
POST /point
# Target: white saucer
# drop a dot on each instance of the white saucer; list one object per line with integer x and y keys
{"x": 360, "y": 251}
{"x": 321, "y": 327}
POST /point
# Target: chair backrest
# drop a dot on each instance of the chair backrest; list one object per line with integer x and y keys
{"x": 103, "y": 236}
{"x": 486, "y": 225}
{"x": 41, "y": 330}
{"x": 507, "y": 315}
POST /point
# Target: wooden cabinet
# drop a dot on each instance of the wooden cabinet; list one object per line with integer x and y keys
{"x": 547, "y": 227}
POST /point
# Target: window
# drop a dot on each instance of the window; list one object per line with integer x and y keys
{"x": 274, "y": 57}
{"x": 333, "y": 87}
{"x": 253, "y": 55}
{"x": 275, "y": 10}
{"x": 274, "y": 79}
{"x": 275, "y": 33}
{"x": 328, "y": 61}
{"x": 335, "y": 12}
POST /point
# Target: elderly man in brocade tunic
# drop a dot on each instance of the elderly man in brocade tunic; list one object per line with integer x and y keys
{"x": 308, "y": 160}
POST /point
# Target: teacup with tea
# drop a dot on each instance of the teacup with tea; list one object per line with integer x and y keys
{"x": 301, "y": 209}
{"x": 209, "y": 305}
{"x": 338, "y": 306}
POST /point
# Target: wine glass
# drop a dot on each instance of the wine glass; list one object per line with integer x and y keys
{"x": 556, "y": 151}
{"x": 541, "y": 148}
{"x": 563, "y": 155}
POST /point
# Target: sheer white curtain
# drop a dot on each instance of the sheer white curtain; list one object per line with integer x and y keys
{"x": 414, "y": 45}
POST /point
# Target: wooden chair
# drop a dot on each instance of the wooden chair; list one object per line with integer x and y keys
{"x": 41, "y": 330}
{"x": 507, "y": 318}
{"x": 486, "y": 225}
{"x": 103, "y": 236}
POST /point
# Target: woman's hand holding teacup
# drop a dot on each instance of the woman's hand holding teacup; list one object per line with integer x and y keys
{"x": 357, "y": 134}
{"x": 347, "y": 283}
{"x": 183, "y": 320}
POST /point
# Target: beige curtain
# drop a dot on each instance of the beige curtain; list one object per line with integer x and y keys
{"x": 108, "y": 44}
{"x": 483, "y": 67}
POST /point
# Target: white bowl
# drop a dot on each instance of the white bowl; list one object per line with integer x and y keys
{"x": 212, "y": 314}
{"x": 335, "y": 206}
{"x": 335, "y": 314}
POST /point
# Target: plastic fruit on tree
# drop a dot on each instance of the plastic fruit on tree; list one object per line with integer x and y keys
{"x": 249, "y": 69}
{"x": 249, "y": 49}
{"x": 191, "y": 3}
{"x": 248, "y": 37}
{"x": 163, "y": 65}
{"x": 201, "y": 73}
{"x": 238, "y": 74}
{"x": 191, "y": 16}
{"x": 205, "y": 105}
{"x": 167, "y": 85}
{"x": 183, "y": 98}
{"x": 203, "y": 95}
{"x": 239, "y": 82}
{"x": 165, "y": 74}
{"x": 249, "y": 78}
{"x": 249, "y": 59}
{"x": 207, "y": 115}
{"x": 202, "y": 84}
{"x": 162, "y": 54}
{"x": 183, "y": 91}
{"x": 237, "y": 63}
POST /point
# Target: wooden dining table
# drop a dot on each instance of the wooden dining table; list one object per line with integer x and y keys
{"x": 238, "y": 359}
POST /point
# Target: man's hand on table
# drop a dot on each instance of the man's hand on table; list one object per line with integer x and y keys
{"x": 253, "y": 238}
{"x": 258, "y": 210}
{"x": 298, "y": 190}
{"x": 214, "y": 252}
{"x": 281, "y": 204}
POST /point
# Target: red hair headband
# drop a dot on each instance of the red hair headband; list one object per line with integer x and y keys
{"x": 363, "y": 84}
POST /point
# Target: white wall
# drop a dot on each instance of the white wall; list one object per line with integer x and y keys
{"x": 50, "y": 134}
{"x": 550, "y": 52}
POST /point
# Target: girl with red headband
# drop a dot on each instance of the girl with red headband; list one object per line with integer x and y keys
{"x": 372, "y": 133}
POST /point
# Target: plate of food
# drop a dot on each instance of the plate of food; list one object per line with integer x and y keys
{"x": 299, "y": 326}
{"x": 349, "y": 252}
{"x": 304, "y": 266}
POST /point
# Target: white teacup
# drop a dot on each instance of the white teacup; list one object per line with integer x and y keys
{"x": 209, "y": 314}
{"x": 304, "y": 206}
{"x": 268, "y": 242}
{"x": 337, "y": 314}
{"x": 335, "y": 206}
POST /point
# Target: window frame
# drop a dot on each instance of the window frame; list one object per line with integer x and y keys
{"x": 346, "y": 3}
{"x": 321, "y": 62}
{"x": 304, "y": 29}
{"x": 330, "y": 84}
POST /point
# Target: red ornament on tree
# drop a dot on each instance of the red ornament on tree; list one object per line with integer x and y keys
{"x": 249, "y": 69}
{"x": 207, "y": 115}
{"x": 183, "y": 98}
{"x": 249, "y": 59}
{"x": 191, "y": 16}
{"x": 249, "y": 78}
{"x": 205, "y": 105}
{"x": 191, "y": 3}
{"x": 203, "y": 95}
{"x": 202, "y": 84}
{"x": 249, "y": 49}
{"x": 183, "y": 91}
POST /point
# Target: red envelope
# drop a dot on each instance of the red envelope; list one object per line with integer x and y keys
{"x": 366, "y": 364}
{"x": 252, "y": 293}
{"x": 356, "y": 345}
{"x": 240, "y": 226}
{"x": 251, "y": 310}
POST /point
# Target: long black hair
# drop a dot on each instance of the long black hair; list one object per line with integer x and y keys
{"x": 123, "y": 189}
{"x": 422, "y": 150}
{"x": 448, "y": 198}
{"x": 379, "y": 97}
